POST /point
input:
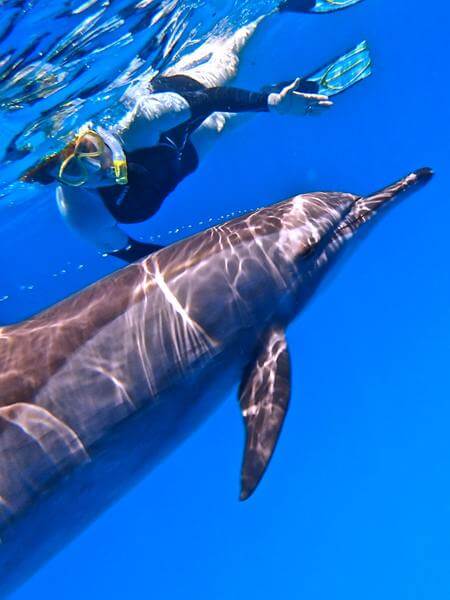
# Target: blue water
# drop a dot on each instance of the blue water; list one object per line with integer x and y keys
{"x": 356, "y": 503}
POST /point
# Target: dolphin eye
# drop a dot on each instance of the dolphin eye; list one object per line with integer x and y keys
{"x": 311, "y": 247}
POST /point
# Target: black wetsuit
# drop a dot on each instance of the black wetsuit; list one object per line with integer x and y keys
{"x": 154, "y": 172}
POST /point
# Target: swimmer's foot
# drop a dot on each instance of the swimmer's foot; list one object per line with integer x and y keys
{"x": 314, "y": 6}
{"x": 337, "y": 76}
{"x": 341, "y": 74}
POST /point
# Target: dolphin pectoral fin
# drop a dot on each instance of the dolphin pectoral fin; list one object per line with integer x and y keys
{"x": 264, "y": 397}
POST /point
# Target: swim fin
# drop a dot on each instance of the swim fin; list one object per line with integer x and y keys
{"x": 314, "y": 6}
{"x": 335, "y": 78}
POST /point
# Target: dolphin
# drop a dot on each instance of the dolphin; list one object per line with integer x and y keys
{"x": 99, "y": 388}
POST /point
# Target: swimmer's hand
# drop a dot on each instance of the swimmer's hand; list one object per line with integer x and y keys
{"x": 291, "y": 102}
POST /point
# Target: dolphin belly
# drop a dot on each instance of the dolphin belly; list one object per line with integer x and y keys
{"x": 118, "y": 462}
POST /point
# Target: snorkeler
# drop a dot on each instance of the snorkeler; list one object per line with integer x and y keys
{"x": 122, "y": 175}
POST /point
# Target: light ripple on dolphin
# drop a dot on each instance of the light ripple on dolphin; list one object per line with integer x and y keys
{"x": 96, "y": 390}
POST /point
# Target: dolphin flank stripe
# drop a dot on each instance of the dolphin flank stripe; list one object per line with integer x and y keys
{"x": 40, "y": 424}
{"x": 191, "y": 326}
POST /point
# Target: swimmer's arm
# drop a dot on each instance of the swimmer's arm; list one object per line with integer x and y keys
{"x": 226, "y": 100}
{"x": 84, "y": 212}
{"x": 155, "y": 114}
{"x": 235, "y": 100}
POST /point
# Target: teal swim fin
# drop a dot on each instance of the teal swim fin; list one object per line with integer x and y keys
{"x": 314, "y": 6}
{"x": 347, "y": 70}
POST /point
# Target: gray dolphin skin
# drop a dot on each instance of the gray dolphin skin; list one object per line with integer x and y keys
{"x": 99, "y": 388}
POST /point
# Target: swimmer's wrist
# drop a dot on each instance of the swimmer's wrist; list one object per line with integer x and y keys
{"x": 273, "y": 102}
{"x": 279, "y": 103}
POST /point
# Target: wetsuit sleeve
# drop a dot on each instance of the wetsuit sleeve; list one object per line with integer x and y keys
{"x": 225, "y": 99}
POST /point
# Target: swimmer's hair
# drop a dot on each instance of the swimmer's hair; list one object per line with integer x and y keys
{"x": 43, "y": 172}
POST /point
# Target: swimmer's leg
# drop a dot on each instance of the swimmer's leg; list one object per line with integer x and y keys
{"x": 84, "y": 211}
{"x": 216, "y": 63}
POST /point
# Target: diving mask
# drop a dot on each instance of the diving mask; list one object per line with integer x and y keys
{"x": 90, "y": 145}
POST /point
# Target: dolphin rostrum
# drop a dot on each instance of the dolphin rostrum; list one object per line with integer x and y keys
{"x": 97, "y": 389}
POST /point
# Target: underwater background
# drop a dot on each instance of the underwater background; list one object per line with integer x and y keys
{"x": 356, "y": 503}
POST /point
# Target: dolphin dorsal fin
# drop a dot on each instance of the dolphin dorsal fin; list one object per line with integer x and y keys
{"x": 264, "y": 397}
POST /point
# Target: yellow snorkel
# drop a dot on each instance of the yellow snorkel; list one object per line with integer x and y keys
{"x": 118, "y": 154}
{"x": 74, "y": 171}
